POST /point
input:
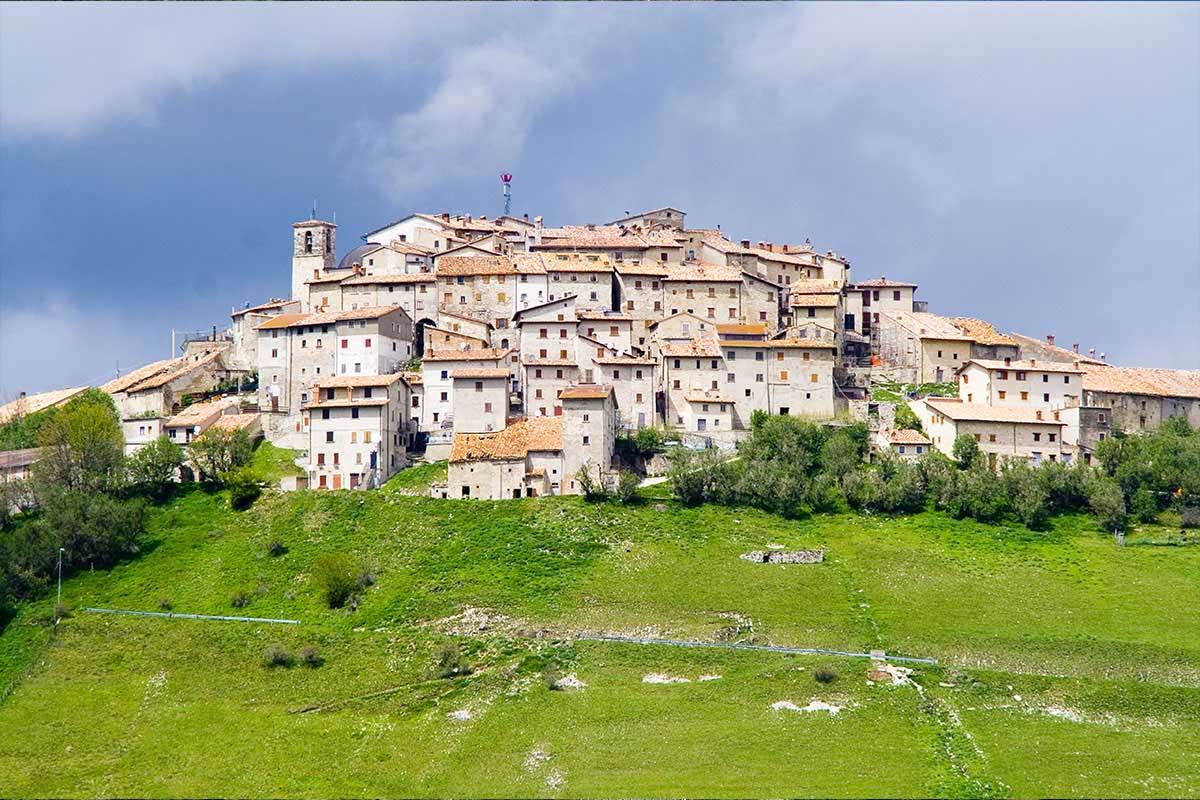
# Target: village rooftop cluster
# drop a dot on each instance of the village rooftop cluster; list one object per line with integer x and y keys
{"x": 521, "y": 352}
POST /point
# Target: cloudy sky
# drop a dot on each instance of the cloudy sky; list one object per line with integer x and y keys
{"x": 1035, "y": 165}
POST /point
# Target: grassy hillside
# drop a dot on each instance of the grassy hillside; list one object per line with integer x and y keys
{"x": 1068, "y": 666}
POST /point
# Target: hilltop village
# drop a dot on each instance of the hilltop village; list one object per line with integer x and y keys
{"x": 520, "y": 353}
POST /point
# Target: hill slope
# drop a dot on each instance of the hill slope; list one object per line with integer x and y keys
{"x": 1068, "y": 666}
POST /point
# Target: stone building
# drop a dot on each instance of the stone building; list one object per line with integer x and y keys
{"x": 925, "y": 347}
{"x": 358, "y": 430}
{"x": 314, "y": 244}
{"x": 1021, "y": 384}
{"x": 1141, "y": 398}
{"x": 903, "y": 443}
{"x": 1002, "y": 433}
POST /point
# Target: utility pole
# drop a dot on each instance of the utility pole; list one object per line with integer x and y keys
{"x": 58, "y": 605}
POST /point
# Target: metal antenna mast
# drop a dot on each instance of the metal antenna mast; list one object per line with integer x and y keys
{"x": 506, "y": 179}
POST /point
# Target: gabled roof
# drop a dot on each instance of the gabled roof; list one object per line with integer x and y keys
{"x": 384, "y": 280}
{"x": 903, "y": 436}
{"x": 709, "y": 396}
{"x": 779, "y": 344}
{"x": 479, "y": 372}
{"x": 160, "y": 373}
{"x": 328, "y": 317}
{"x": 236, "y": 422}
{"x": 513, "y": 443}
{"x": 613, "y": 316}
{"x": 1143, "y": 381}
{"x": 700, "y": 272}
{"x": 586, "y": 391}
{"x": 198, "y": 414}
{"x": 815, "y": 300}
{"x": 38, "y": 402}
{"x": 528, "y": 264}
{"x": 482, "y": 354}
{"x": 576, "y": 262}
{"x": 516, "y": 318}
{"x": 742, "y": 329}
{"x": 927, "y": 326}
{"x": 704, "y": 348}
{"x": 270, "y": 305}
{"x": 1031, "y": 365}
{"x": 646, "y": 214}
{"x": 358, "y": 381}
{"x": 281, "y": 321}
{"x": 332, "y": 277}
{"x": 622, "y": 360}
{"x": 474, "y": 265}
{"x": 959, "y": 411}
{"x": 882, "y": 282}
{"x": 981, "y": 332}
{"x": 658, "y": 322}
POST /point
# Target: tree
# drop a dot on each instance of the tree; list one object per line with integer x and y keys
{"x": 699, "y": 476}
{"x": 336, "y": 575}
{"x": 841, "y": 455}
{"x": 155, "y": 467}
{"x": 906, "y": 418}
{"x": 83, "y": 449}
{"x": 1107, "y": 503}
{"x": 627, "y": 486}
{"x": 592, "y": 488}
{"x": 218, "y": 450}
{"x": 648, "y": 440}
{"x": 966, "y": 450}
{"x": 1027, "y": 495}
{"x": 244, "y": 487}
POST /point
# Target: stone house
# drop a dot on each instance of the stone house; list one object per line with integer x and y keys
{"x": 438, "y": 387}
{"x": 481, "y": 286}
{"x": 780, "y": 376}
{"x": 689, "y": 367}
{"x": 925, "y": 345}
{"x": 1028, "y": 384}
{"x": 710, "y": 291}
{"x": 588, "y": 276}
{"x": 634, "y": 382}
{"x": 1002, "y": 433}
{"x": 479, "y": 399}
{"x": 244, "y": 321}
{"x": 414, "y": 292}
{"x": 358, "y": 430}
{"x": 903, "y": 443}
{"x": 1141, "y": 398}
{"x": 867, "y": 300}
{"x": 640, "y": 289}
{"x": 612, "y": 328}
{"x": 665, "y": 217}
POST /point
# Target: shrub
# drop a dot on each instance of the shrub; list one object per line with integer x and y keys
{"x": 217, "y": 451}
{"x": 551, "y": 676}
{"x": 966, "y": 450}
{"x": 164, "y": 604}
{"x": 244, "y": 487}
{"x": 1189, "y": 517}
{"x": 1144, "y": 505}
{"x": 825, "y": 495}
{"x": 627, "y": 486}
{"x": 276, "y": 548}
{"x": 449, "y": 662}
{"x": 310, "y": 656}
{"x": 825, "y": 675}
{"x": 240, "y": 600}
{"x": 276, "y": 655}
{"x": 907, "y": 418}
{"x": 153, "y": 468}
{"x": 62, "y": 611}
{"x": 1027, "y": 494}
{"x": 592, "y": 487}
{"x": 336, "y": 576}
{"x": 648, "y": 440}
{"x": 1107, "y": 503}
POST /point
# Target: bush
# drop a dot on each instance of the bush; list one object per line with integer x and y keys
{"x": 551, "y": 675}
{"x": 1107, "y": 502}
{"x": 276, "y": 548}
{"x": 627, "y": 486}
{"x": 1144, "y": 505}
{"x": 648, "y": 440}
{"x": 1189, "y": 517}
{"x": 276, "y": 655}
{"x": 240, "y": 600}
{"x": 244, "y": 487}
{"x": 62, "y": 611}
{"x": 825, "y": 675}
{"x": 164, "y": 604}
{"x": 966, "y": 451}
{"x": 310, "y": 656}
{"x": 906, "y": 418}
{"x": 336, "y": 576}
{"x": 449, "y": 661}
{"x": 217, "y": 451}
{"x": 591, "y": 487}
{"x": 1027, "y": 494}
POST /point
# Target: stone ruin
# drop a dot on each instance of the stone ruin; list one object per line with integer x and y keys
{"x": 784, "y": 557}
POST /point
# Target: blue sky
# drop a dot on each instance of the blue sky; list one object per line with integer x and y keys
{"x": 1034, "y": 165}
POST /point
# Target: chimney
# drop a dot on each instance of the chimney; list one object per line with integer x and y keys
{"x": 525, "y": 217}
{"x": 591, "y": 226}
{"x": 771, "y": 246}
{"x": 1075, "y": 347}
{"x": 446, "y": 216}
{"x": 1032, "y": 361}
{"x": 1091, "y": 352}
{"x": 1050, "y": 339}
{"x": 1056, "y": 416}
{"x": 21, "y": 396}
{"x": 1103, "y": 357}
{"x": 746, "y": 243}
{"x": 1007, "y": 361}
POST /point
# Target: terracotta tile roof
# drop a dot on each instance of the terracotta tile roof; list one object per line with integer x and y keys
{"x": 754, "y": 328}
{"x": 815, "y": 300}
{"x": 480, "y": 372}
{"x": 585, "y": 391}
{"x": 903, "y": 436}
{"x": 281, "y": 321}
{"x": 1143, "y": 381}
{"x": 981, "y": 331}
{"x": 482, "y": 354}
{"x": 267, "y": 306}
{"x": 175, "y": 368}
{"x": 236, "y": 422}
{"x": 646, "y": 214}
{"x": 696, "y": 271}
{"x": 198, "y": 413}
{"x": 813, "y": 286}
{"x": 383, "y": 280}
{"x": 719, "y": 243}
{"x": 409, "y": 248}
{"x": 121, "y": 384}
{"x": 38, "y": 402}
{"x": 710, "y": 396}
{"x": 979, "y": 412}
{"x": 356, "y": 381}
{"x": 511, "y": 444}
{"x": 528, "y": 264}
{"x": 576, "y": 262}
{"x": 882, "y": 282}
{"x": 1032, "y": 365}
{"x": 413, "y": 378}
{"x": 345, "y": 402}
{"x": 1065, "y": 354}
{"x": 474, "y": 265}
{"x": 332, "y": 277}
{"x": 330, "y": 317}
{"x": 704, "y": 348}
{"x": 656, "y": 269}
{"x": 927, "y": 326}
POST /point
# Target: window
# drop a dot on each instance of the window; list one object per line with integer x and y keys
{"x": 368, "y": 342}
{"x": 978, "y": 438}
{"x": 730, "y": 377}
{"x": 587, "y": 440}
{"x": 813, "y": 378}
{"x": 783, "y": 375}
{"x": 1045, "y": 397}
{"x": 487, "y": 408}
{"x": 758, "y": 355}
{"x": 354, "y": 413}
{"x": 479, "y": 386}
{"x": 366, "y": 437}
{"x": 1037, "y": 437}
{"x": 308, "y": 242}
{"x": 445, "y": 374}
{"x": 991, "y": 437}
{"x": 320, "y": 459}
{"x": 1045, "y": 378}
{"x": 1001, "y": 394}
{"x": 1024, "y": 395}
{"x": 1066, "y": 378}
{"x": 1002, "y": 375}
{"x": 345, "y": 343}
{"x": 758, "y": 377}
{"x": 444, "y": 398}
{"x": 812, "y": 312}
{"x": 329, "y": 436}
{"x": 805, "y": 356}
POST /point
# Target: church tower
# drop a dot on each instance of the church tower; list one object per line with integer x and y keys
{"x": 315, "y": 243}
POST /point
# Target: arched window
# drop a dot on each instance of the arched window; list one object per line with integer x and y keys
{"x": 308, "y": 241}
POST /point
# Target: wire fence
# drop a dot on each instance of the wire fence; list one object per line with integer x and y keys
{"x": 766, "y": 647}
{"x": 173, "y": 615}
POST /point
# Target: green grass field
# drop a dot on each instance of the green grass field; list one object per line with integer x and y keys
{"x": 1068, "y": 666}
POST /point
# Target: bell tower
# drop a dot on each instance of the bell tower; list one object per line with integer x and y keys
{"x": 314, "y": 246}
